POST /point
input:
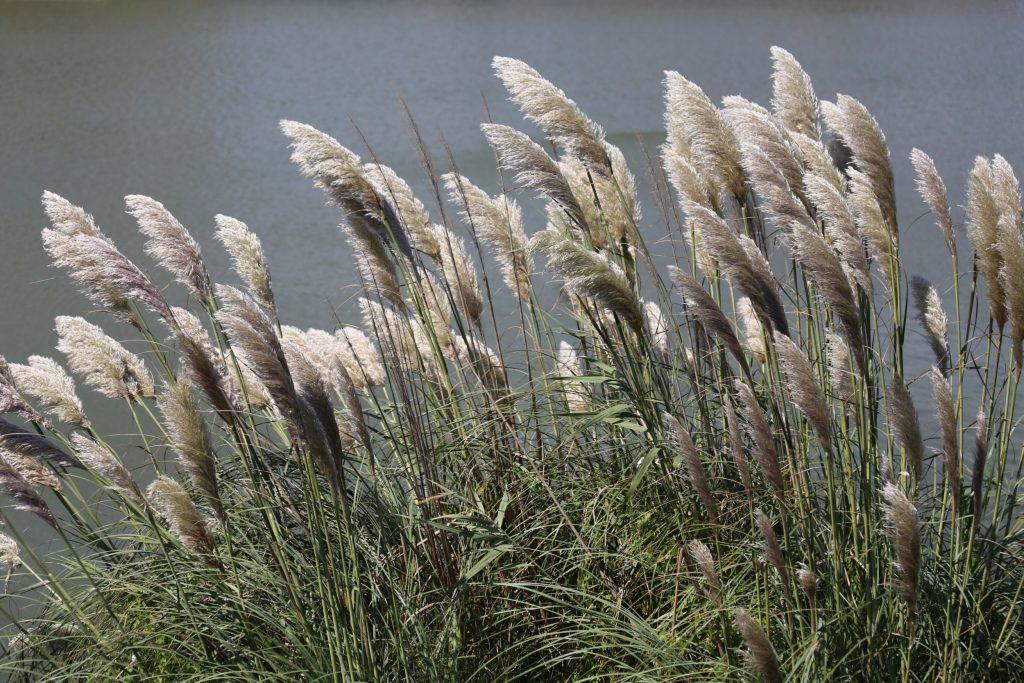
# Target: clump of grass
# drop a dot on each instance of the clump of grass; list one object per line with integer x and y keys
{"x": 657, "y": 478}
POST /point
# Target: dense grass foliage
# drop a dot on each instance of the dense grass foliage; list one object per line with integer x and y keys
{"x": 714, "y": 471}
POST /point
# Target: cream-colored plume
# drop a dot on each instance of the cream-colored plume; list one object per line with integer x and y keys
{"x": 558, "y": 116}
{"x": 170, "y": 244}
{"x": 46, "y": 381}
{"x": 499, "y": 223}
{"x": 804, "y": 389}
{"x": 460, "y": 273}
{"x": 247, "y": 257}
{"x": 793, "y": 98}
{"x": 933, "y": 191}
{"x": 699, "y": 132}
{"x": 105, "y": 364}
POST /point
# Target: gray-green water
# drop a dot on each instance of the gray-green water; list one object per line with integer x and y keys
{"x": 180, "y": 100}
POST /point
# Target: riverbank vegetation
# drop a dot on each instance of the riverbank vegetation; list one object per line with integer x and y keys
{"x": 706, "y": 471}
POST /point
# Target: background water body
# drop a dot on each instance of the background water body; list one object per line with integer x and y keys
{"x": 180, "y": 100}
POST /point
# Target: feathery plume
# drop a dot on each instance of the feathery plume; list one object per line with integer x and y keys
{"x": 172, "y": 503}
{"x": 871, "y": 222}
{"x": 318, "y": 424}
{"x": 590, "y": 275}
{"x": 753, "y": 330}
{"x": 723, "y": 245}
{"x": 46, "y": 381}
{"x": 28, "y": 454}
{"x": 1011, "y": 275}
{"x": 567, "y": 364}
{"x": 208, "y": 367}
{"x": 24, "y": 496}
{"x": 808, "y": 581}
{"x": 33, "y": 471}
{"x": 736, "y": 447}
{"x": 826, "y": 271}
{"x": 755, "y": 125}
{"x": 338, "y": 172}
{"x": 254, "y": 336}
{"x": 584, "y": 186}
{"x": 804, "y": 388}
{"x": 713, "y": 585}
{"x": 933, "y": 191}
{"x": 106, "y": 366}
{"x": 903, "y": 525}
{"x": 978, "y": 469}
{"x": 793, "y": 95}
{"x": 905, "y": 425}
{"x": 362, "y": 361}
{"x": 20, "y": 444}
{"x": 933, "y": 319}
{"x": 839, "y": 372}
{"x": 373, "y": 261}
{"x": 618, "y": 195}
{"x": 945, "y": 411}
{"x": 534, "y": 169}
{"x": 691, "y": 118}
{"x": 352, "y": 415}
{"x": 471, "y": 352}
{"x": 757, "y": 427}
{"x": 1006, "y": 189}
{"x": 12, "y": 402}
{"x": 840, "y": 229}
{"x": 680, "y": 438}
{"x": 67, "y": 219}
{"x": 323, "y": 349}
{"x": 762, "y": 271}
{"x": 459, "y": 272}
{"x": 9, "y": 553}
{"x": 777, "y": 199}
{"x": 816, "y": 159}
{"x": 247, "y": 258}
{"x": 658, "y": 326}
{"x": 499, "y": 223}
{"x": 688, "y": 182}
{"x": 101, "y": 460}
{"x": 397, "y": 340}
{"x": 106, "y": 276}
{"x": 558, "y": 116}
{"x": 772, "y": 549}
{"x": 700, "y": 305}
{"x": 170, "y": 244}
{"x": 983, "y": 213}
{"x": 760, "y": 654}
{"x": 692, "y": 191}
{"x": 610, "y": 206}
{"x": 411, "y": 211}
{"x": 190, "y": 439}
{"x": 858, "y": 129}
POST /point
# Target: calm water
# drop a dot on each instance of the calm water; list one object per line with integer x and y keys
{"x": 180, "y": 100}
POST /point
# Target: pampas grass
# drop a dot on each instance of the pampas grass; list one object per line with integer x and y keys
{"x": 558, "y": 116}
{"x": 932, "y": 317}
{"x": 700, "y": 133}
{"x": 247, "y": 257}
{"x": 903, "y": 525}
{"x": 50, "y": 385}
{"x": 106, "y": 365}
{"x": 933, "y": 191}
{"x": 170, "y": 244}
{"x": 444, "y": 483}
{"x": 793, "y": 98}
{"x": 760, "y": 654}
